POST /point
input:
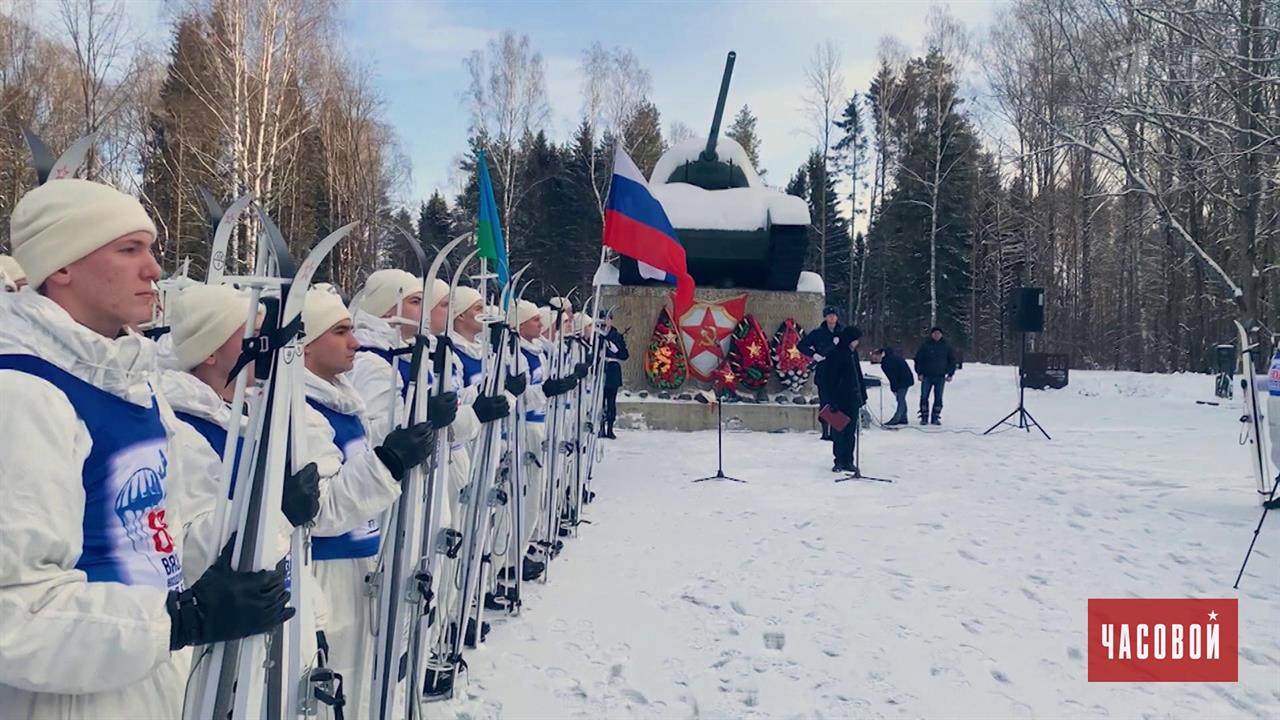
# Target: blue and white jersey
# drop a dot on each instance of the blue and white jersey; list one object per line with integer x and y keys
{"x": 536, "y": 377}
{"x": 472, "y": 367}
{"x": 392, "y": 359}
{"x": 126, "y": 536}
{"x": 349, "y": 435}
{"x": 216, "y": 436}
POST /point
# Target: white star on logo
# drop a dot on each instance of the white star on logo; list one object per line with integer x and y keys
{"x": 1213, "y": 616}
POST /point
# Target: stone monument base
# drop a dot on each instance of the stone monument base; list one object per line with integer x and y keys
{"x": 652, "y": 413}
{"x": 640, "y": 405}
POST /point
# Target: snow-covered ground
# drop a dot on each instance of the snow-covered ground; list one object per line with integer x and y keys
{"x": 957, "y": 591}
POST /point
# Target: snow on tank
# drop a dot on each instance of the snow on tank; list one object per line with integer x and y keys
{"x": 753, "y": 207}
{"x": 736, "y": 231}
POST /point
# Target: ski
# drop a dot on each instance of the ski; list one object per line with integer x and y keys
{"x": 67, "y": 165}
{"x": 234, "y": 682}
{"x": 1252, "y": 417}
{"x": 223, "y": 222}
{"x": 403, "y": 577}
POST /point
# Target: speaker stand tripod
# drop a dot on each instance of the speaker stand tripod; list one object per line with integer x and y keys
{"x": 719, "y": 447}
{"x": 1024, "y": 419}
{"x": 857, "y": 456}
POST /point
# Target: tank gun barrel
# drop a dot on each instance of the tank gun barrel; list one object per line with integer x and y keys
{"x": 710, "y": 152}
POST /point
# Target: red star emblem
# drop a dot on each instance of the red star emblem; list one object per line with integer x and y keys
{"x": 707, "y": 335}
{"x": 62, "y": 173}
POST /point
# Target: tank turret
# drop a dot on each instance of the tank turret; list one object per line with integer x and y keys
{"x": 709, "y": 171}
{"x": 736, "y": 231}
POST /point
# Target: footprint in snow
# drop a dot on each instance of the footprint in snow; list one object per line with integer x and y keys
{"x": 738, "y": 607}
{"x": 775, "y": 640}
{"x": 1000, "y": 677}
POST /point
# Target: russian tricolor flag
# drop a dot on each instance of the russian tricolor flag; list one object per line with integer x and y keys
{"x": 636, "y": 226}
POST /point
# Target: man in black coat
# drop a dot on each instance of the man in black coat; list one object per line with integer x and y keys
{"x": 935, "y": 366}
{"x": 845, "y": 392}
{"x": 614, "y": 346}
{"x": 900, "y": 379}
{"x": 817, "y": 344}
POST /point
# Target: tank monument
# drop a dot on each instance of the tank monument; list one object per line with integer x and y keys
{"x": 745, "y": 245}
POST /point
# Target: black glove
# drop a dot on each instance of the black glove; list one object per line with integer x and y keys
{"x": 301, "y": 500}
{"x": 491, "y": 407}
{"x": 442, "y": 409}
{"x": 516, "y": 384}
{"x": 580, "y": 371}
{"x": 406, "y": 448}
{"x": 559, "y": 386}
{"x": 227, "y": 605}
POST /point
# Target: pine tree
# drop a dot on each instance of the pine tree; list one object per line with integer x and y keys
{"x": 435, "y": 223}
{"x": 799, "y": 183}
{"x": 933, "y": 192}
{"x": 743, "y": 130}
{"x": 394, "y": 250}
{"x": 181, "y": 139}
{"x": 642, "y": 137}
{"x": 851, "y": 156}
{"x": 837, "y": 252}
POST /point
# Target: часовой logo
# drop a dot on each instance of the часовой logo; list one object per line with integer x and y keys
{"x": 1163, "y": 640}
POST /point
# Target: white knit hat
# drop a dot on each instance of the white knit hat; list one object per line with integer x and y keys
{"x": 385, "y": 287}
{"x": 323, "y": 310}
{"x": 10, "y": 271}
{"x": 62, "y": 221}
{"x": 202, "y": 318}
{"x": 463, "y": 298}
{"x": 525, "y": 311}
{"x": 438, "y": 292}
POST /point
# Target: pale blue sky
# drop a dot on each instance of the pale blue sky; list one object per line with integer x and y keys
{"x": 415, "y": 52}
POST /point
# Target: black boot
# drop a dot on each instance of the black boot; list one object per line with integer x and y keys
{"x": 439, "y": 680}
{"x": 532, "y": 570}
{"x": 936, "y": 419}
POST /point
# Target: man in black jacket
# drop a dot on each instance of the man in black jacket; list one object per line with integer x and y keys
{"x": 845, "y": 392}
{"x": 900, "y": 379}
{"x": 935, "y": 366}
{"x": 817, "y": 344}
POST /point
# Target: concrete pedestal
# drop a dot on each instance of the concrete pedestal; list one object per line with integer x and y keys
{"x": 635, "y": 311}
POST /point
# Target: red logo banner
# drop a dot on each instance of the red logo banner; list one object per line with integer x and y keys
{"x": 1164, "y": 640}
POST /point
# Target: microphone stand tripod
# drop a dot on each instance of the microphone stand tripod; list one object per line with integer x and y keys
{"x": 857, "y": 454}
{"x": 719, "y": 446}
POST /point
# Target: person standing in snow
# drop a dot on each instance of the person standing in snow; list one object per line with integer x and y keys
{"x": 935, "y": 366}
{"x": 94, "y": 606}
{"x": 206, "y": 330}
{"x": 900, "y": 379}
{"x": 469, "y": 345}
{"x": 614, "y": 347}
{"x": 338, "y": 436}
{"x": 817, "y": 344}
{"x": 386, "y": 321}
{"x": 12, "y": 276}
{"x": 846, "y": 393}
